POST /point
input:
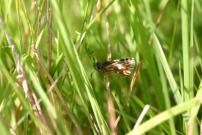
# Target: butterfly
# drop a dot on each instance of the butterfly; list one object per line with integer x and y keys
{"x": 119, "y": 66}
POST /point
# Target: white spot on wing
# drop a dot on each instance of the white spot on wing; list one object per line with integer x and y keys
{"x": 119, "y": 65}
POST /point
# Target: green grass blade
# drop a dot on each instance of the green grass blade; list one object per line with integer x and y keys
{"x": 176, "y": 110}
{"x": 80, "y": 79}
{"x": 160, "y": 54}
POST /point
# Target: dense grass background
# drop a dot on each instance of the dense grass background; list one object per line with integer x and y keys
{"x": 48, "y": 84}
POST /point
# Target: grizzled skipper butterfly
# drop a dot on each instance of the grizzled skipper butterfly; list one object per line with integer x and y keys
{"x": 119, "y": 66}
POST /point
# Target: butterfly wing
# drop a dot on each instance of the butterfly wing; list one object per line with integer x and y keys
{"x": 121, "y": 66}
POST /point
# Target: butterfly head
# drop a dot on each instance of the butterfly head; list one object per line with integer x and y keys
{"x": 98, "y": 66}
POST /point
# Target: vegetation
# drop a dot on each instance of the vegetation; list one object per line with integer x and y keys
{"x": 49, "y": 85}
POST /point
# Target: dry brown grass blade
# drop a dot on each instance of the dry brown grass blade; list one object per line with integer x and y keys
{"x": 132, "y": 85}
{"x": 99, "y": 8}
{"x": 23, "y": 82}
{"x": 54, "y": 86}
{"x": 110, "y": 103}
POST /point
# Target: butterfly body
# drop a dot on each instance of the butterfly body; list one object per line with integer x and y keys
{"x": 120, "y": 66}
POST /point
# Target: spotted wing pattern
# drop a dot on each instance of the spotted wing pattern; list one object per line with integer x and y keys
{"x": 119, "y": 66}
